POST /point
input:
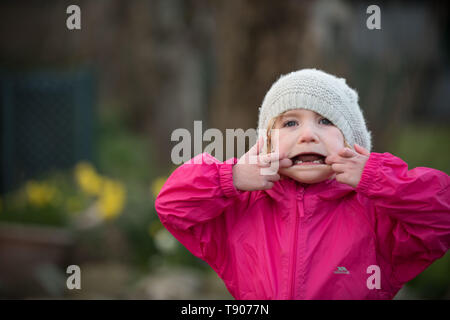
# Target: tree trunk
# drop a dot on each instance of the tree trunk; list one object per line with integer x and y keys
{"x": 257, "y": 41}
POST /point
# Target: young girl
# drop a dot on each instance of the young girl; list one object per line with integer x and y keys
{"x": 335, "y": 221}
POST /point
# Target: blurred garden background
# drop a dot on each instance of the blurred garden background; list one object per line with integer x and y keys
{"x": 87, "y": 116}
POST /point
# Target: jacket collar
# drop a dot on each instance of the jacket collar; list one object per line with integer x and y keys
{"x": 325, "y": 190}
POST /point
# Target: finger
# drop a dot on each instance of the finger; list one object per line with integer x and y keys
{"x": 268, "y": 185}
{"x": 263, "y": 162}
{"x": 347, "y": 179}
{"x": 361, "y": 150}
{"x": 334, "y": 158}
{"x": 274, "y": 177}
{"x": 347, "y": 153}
{"x": 257, "y": 147}
{"x": 330, "y": 159}
{"x": 340, "y": 178}
{"x": 271, "y": 157}
{"x": 285, "y": 163}
{"x": 338, "y": 167}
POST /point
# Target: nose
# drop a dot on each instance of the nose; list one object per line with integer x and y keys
{"x": 307, "y": 134}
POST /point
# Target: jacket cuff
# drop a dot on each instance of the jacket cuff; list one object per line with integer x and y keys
{"x": 370, "y": 174}
{"x": 226, "y": 178}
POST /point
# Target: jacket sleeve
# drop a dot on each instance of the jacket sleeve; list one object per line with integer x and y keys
{"x": 192, "y": 203}
{"x": 412, "y": 213}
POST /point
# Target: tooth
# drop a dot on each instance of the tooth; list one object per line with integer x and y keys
{"x": 316, "y": 161}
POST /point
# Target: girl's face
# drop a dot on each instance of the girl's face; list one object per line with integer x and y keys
{"x": 305, "y": 136}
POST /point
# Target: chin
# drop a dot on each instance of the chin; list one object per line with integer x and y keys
{"x": 308, "y": 175}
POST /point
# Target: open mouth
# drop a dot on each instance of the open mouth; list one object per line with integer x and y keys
{"x": 308, "y": 159}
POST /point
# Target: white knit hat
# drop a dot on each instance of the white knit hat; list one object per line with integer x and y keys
{"x": 321, "y": 92}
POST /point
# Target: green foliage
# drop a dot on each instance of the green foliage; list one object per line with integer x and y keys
{"x": 426, "y": 145}
{"x": 128, "y": 157}
{"x": 52, "y": 200}
{"x": 121, "y": 152}
{"x": 434, "y": 282}
{"x": 422, "y": 145}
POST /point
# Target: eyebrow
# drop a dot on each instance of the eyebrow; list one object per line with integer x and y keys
{"x": 288, "y": 114}
{"x": 293, "y": 114}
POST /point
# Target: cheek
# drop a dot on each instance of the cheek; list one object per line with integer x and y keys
{"x": 334, "y": 139}
{"x": 286, "y": 143}
{"x": 280, "y": 142}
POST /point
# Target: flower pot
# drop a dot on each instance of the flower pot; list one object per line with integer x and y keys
{"x": 33, "y": 260}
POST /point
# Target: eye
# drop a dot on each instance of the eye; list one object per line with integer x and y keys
{"x": 325, "y": 121}
{"x": 290, "y": 123}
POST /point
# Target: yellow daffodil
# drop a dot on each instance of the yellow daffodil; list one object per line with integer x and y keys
{"x": 157, "y": 185}
{"x": 111, "y": 198}
{"x": 88, "y": 178}
{"x": 40, "y": 193}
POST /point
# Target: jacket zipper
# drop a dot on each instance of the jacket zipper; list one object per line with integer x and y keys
{"x": 294, "y": 253}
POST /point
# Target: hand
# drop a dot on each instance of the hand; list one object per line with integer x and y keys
{"x": 349, "y": 164}
{"x": 247, "y": 172}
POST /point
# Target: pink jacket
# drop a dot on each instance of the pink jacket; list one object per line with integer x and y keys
{"x": 318, "y": 241}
